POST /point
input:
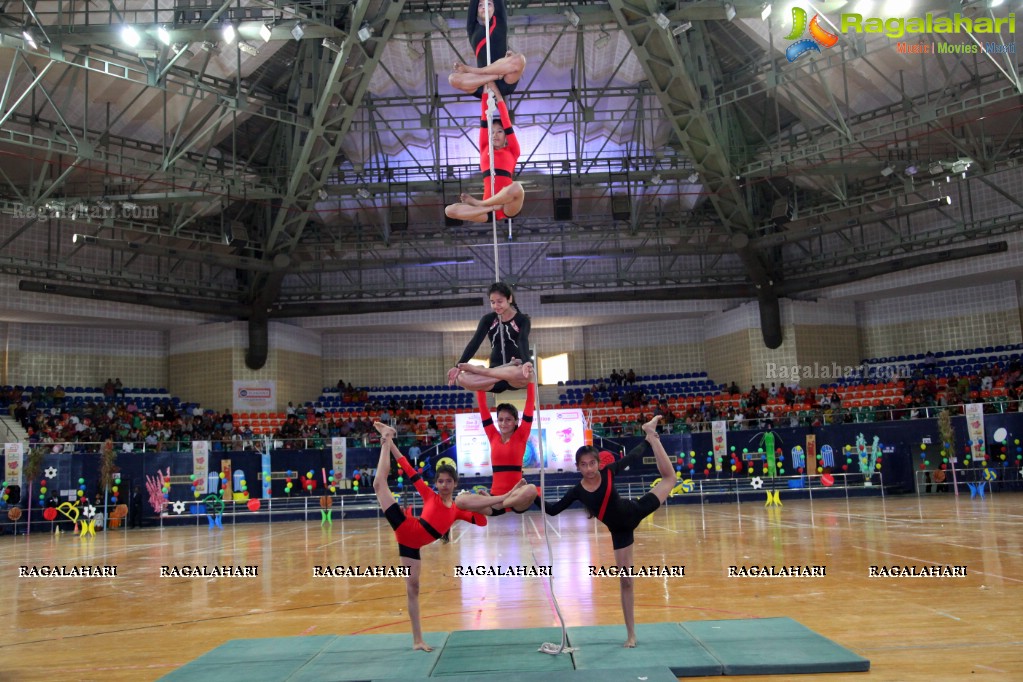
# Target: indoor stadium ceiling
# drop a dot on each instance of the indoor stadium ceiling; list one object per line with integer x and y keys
{"x": 667, "y": 147}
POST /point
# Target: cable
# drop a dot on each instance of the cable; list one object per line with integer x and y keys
{"x": 491, "y": 106}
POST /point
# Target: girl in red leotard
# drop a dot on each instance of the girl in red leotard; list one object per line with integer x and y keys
{"x": 413, "y": 532}
{"x": 507, "y": 447}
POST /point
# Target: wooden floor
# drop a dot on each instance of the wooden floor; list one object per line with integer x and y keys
{"x": 139, "y": 626}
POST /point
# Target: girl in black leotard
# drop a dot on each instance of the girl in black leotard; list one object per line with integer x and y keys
{"x": 508, "y": 331}
{"x": 505, "y": 68}
{"x": 597, "y": 493}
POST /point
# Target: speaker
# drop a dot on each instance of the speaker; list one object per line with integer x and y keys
{"x": 781, "y": 212}
{"x": 563, "y": 209}
{"x": 399, "y": 218}
{"x": 620, "y": 208}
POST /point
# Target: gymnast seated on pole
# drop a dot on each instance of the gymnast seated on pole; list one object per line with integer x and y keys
{"x": 597, "y": 493}
{"x": 508, "y": 330}
{"x": 505, "y": 67}
{"x": 506, "y": 201}
{"x": 507, "y": 446}
{"x": 414, "y": 532}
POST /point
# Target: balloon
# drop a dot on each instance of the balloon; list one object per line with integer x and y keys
{"x": 196, "y": 493}
{"x": 43, "y": 489}
{"x": 253, "y": 505}
{"x": 222, "y": 475}
{"x": 355, "y": 485}
{"x": 117, "y": 481}
{"x": 421, "y": 463}
{"x": 50, "y": 513}
{"x": 80, "y": 493}
{"x": 81, "y": 480}
{"x": 192, "y": 477}
{"x": 243, "y": 483}
{"x": 114, "y": 488}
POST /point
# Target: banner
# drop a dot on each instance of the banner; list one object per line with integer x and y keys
{"x": 560, "y": 432}
{"x": 14, "y": 454}
{"x": 265, "y": 475}
{"x": 200, "y": 464}
{"x": 225, "y": 479}
{"x": 811, "y": 453}
{"x": 719, "y": 434}
{"x": 254, "y": 396}
{"x": 339, "y": 456}
{"x": 975, "y": 431}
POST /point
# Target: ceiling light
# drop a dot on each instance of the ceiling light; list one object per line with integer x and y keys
{"x": 365, "y": 33}
{"x": 602, "y": 41}
{"x": 148, "y": 54}
{"x": 656, "y": 180}
{"x": 363, "y": 193}
{"x": 228, "y": 33}
{"x": 936, "y": 168}
{"x": 911, "y": 170}
{"x": 207, "y": 46}
{"x": 247, "y": 48}
{"x": 729, "y": 11}
{"x": 682, "y": 28}
{"x": 887, "y": 170}
{"x": 27, "y": 35}
{"x": 130, "y": 36}
{"x": 662, "y": 20}
{"x": 572, "y": 17}
{"x": 164, "y": 35}
{"x": 298, "y": 31}
{"x": 693, "y": 178}
{"x": 331, "y": 45}
{"x": 322, "y": 193}
{"x": 265, "y": 31}
{"x": 766, "y": 12}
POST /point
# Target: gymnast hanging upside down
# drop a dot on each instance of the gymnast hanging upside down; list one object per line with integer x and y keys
{"x": 597, "y": 493}
{"x": 507, "y": 448}
{"x": 412, "y": 532}
{"x": 503, "y": 196}
{"x": 508, "y": 330}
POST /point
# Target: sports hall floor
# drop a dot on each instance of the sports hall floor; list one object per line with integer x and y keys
{"x": 139, "y": 626}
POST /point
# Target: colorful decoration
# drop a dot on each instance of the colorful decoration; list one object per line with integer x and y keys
{"x": 773, "y": 498}
{"x": 178, "y": 507}
{"x": 868, "y": 458}
{"x": 51, "y": 472}
{"x": 214, "y": 509}
{"x": 757, "y": 482}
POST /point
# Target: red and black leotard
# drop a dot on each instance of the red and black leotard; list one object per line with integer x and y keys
{"x": 498, "y": 30}
{"x": 620, "y": 516}
{"x": 506, "y": 458}
{"x": 414, "y": 532}
{"x": 505, "y": 159}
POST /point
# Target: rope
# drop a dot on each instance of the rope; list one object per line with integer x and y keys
{"x": 491, "y": 107}
{"x": 547, "y": 647}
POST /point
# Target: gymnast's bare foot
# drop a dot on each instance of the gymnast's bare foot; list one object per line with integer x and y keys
{"x": 384, "y": 430}
{"x": 650, "y": 429}
{"x": 630, "y": 643}
{"x": 470, "y": 368}
{"x": 527, "y": 371}
{"x": 469, "y": 199}
{"x": 459, "y": 67}
{"x": 423, "y": 646}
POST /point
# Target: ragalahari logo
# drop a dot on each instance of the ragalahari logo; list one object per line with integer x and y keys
{"x": 818, "y": 36}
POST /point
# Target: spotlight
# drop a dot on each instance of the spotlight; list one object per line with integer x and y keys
{"x": 936, "y": 168}
{"x": 766, "y": 12}
{"x": 363, "y": 193}
{"x": 322, "y": 193}
{"x": 164, "y": 35}
{"x": 602, "y": 41}
{"x": 656, "y": 180}
{"x": 961, "y": 166}
{"x": 572, "y": 17}
{"x": 911, "y": 170}
{"x": 693, "y": 178}
{"x": 247, "y": 48}
{"x": 148, "y": 54}
{"x": 365, "y": 33}
{"x": 331, "y": 45}
{"x": 228, "y": 33}
{"x": 887, "y": 170}
{"x": 298, "y": 31}
{"x": 207, "y": 46}
{"x": 729, "y": 11}
{"x": 27, "y": 35}
{"x": 130, "y": 36}
{"x": 681, "y": 28}
{"x": 265, "y": 31}
{"x": 662, "y": 21}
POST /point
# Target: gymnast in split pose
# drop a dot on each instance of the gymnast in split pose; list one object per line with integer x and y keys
{"x": 507, "y": 327}
{"x": 413, "y": 532}
{"x": 597, "y": 493}
{"x": 503, "y": 196}
{"x": 507, "y": 448}
{"x": 506, "y": 67}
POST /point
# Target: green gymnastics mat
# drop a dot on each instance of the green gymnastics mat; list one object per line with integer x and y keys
{"x": 772, "y": 646}
{"x": 766, "y": 646}
{"x": 660, "y": 644}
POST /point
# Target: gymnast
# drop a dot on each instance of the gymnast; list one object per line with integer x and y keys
{"x": 506, "y": 71}
{"x": 508, "y": 330}
{"x": 597, "y": 493}
{"x": 507, "y": 447}
{"x": 503, "y": 196}
{"x": 412, "y": 532}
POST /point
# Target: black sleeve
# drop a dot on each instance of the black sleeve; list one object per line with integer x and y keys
{"x": 501, "y": 14}
{"x": 635, "y": 456}
{"x": 553, "y": 509}
{"x": 477, "y": 339}
{"x": 523, "y": 343}
{"x": 470, "y": 24}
